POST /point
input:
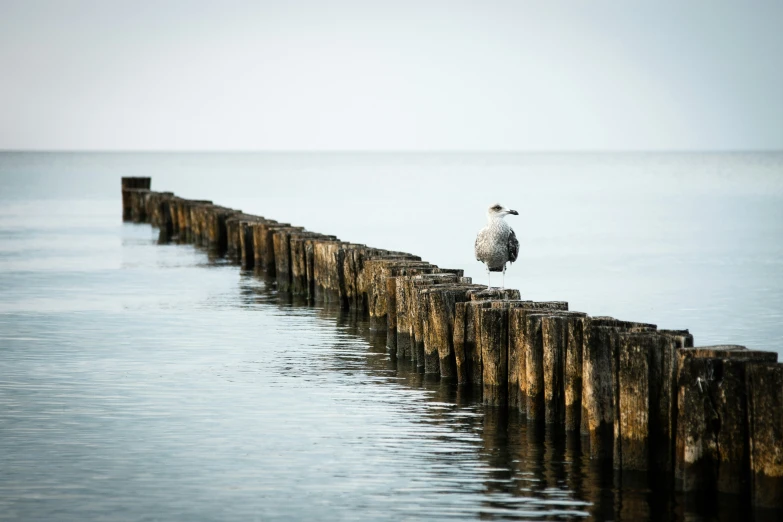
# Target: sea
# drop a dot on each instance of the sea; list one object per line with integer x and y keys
{"x": 145, "y": 380}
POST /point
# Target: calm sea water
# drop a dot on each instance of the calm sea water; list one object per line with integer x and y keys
{"x": 146, "y": 381}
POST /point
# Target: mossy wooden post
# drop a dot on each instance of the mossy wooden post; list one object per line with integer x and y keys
{"x": 131, "y": 183}
{"x": 712, "y": 435}
{"x": 561, "y": 333}
{"x": 765, "y": 427}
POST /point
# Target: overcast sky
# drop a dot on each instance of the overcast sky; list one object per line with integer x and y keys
{"x": 516, "y": 75}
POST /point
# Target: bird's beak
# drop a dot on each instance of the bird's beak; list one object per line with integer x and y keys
{"x": 513, "y": 212}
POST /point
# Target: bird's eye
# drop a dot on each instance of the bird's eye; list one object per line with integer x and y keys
{"x": 496, "y": 207}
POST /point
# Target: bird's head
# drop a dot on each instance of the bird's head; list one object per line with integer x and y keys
{"x": 499, "y": 211}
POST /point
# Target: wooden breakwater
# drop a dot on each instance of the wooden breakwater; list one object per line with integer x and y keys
{"x": 645, "y": 399}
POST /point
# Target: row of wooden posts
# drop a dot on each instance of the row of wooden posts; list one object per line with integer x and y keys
{"x": 643, "y": 398}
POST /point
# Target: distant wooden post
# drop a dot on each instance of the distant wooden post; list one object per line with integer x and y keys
{"x": 131, "y": 183}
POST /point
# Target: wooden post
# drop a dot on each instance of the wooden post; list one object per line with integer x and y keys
{"x": 562, "y": 336}
{"x": 246, "y": 247}
{"x": 466, "y": 350}
{"x": 419, "y": 313}
{"x": 129, "y": 183}
{"x": 301, "y": 244}
{"x": 372, "y": 286}
{"x": 440, "y": 341}
{"x": 267, "y": 238}
{"x": 663, "y": 392}
{"x": 765, "y": 427}
{"x": 599, "y": 386}
{"x": 493, "y": 339}
{"x": 636, "y": 401}
{"x": 389, "y": 278}
{"x": 282, "y": 238}
{"x": 712, "y": 436}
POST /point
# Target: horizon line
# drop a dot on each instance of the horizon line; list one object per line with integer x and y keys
{"x": 391, "y": 151}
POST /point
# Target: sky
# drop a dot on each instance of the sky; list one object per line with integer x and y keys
{"x": 371, "y": 75}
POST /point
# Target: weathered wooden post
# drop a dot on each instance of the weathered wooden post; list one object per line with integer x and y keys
{"x": 440, "y": 339}
{"x": 599, "y": 386}
{"x": 328, "y": 271}
{"x": 373, "y": 286}
{"x": 129, "y": 183}
{"x": 267, "y": 237}
{"x": 519, "y": 347}
{"x": 186, "y": 210}
{"x": 407, "y": 319}
{"x": 389, "y": 271}
{"x": 562, "y": 340}
{"x": 634, "y": 405}
{"x": 493, "y": 339}
{"x": 419, "y": 285}
{"x": 663, "y": 392}
{"x": 467, "y": 351}
{"x": 765, "y": 430}
{"x": 216, "y": 227}
{"x": 302, "y": 282}
{"x": 712, "y": 435}
{"x": 237, "y": 240}
{"x": 363, "y": 276}
{"x": 246, "y": 246}
{"x": 259, "y": 230}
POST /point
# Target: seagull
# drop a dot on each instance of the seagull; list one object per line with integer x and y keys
{"x": 496, "y": 243}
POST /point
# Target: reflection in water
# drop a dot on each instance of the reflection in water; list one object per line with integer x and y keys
{"x": 525, "y": 469}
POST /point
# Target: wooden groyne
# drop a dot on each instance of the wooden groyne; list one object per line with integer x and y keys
{"x": 645, "y": 399}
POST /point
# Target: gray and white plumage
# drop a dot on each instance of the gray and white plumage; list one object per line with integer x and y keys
{"x": 496, "y": 243}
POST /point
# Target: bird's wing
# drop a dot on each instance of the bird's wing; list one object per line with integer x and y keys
{"x": 513, "y": 247}
{"x": 476, "y": 247}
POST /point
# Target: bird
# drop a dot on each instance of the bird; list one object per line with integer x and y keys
{"x": 496, "y": 243}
